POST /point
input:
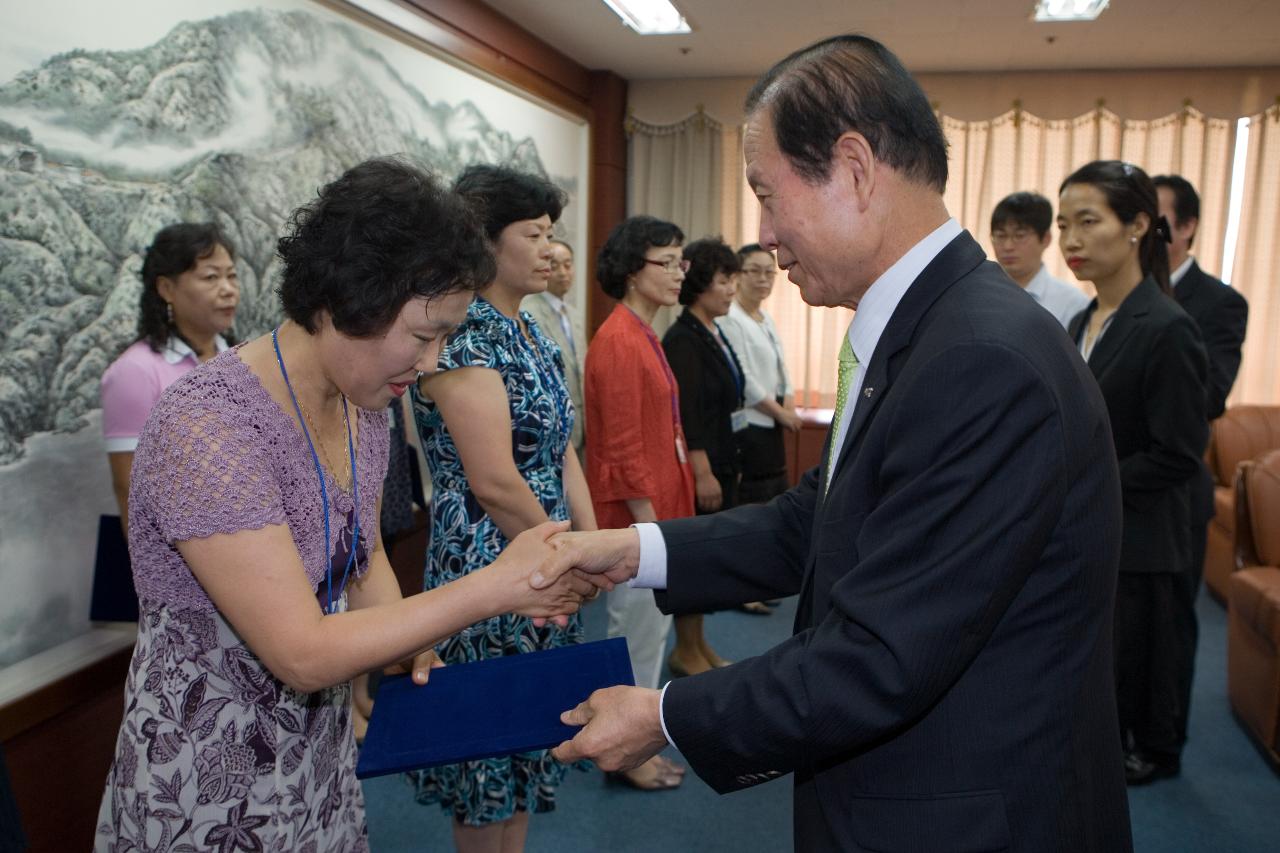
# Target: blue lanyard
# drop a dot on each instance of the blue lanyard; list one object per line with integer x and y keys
{"x": 324, "y": 492}
{"x": 730, "y": 356}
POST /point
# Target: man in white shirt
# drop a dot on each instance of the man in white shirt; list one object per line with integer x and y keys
{"x": 1019, "y": 235}
{"x": 557, "y": 319}
{"x": 950, "y": 682}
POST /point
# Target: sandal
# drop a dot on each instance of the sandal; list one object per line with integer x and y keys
{"x": 672, "y": 768}
{"x": 756, "y": 608}
{"x": 661, "y": 780}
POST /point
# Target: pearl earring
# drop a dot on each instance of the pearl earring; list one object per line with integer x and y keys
{"x": 1133, "y": 240}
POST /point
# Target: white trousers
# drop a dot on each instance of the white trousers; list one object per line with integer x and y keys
{"x": 634, "y": 614}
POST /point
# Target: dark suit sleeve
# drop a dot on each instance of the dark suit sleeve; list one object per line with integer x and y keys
{"x": 776, "y": 534}
{"x": 1173, "y": 399}
{"x": 970, "y": 493}
{"x": 695, "y": 410}
{"x": 1223, "y": 330}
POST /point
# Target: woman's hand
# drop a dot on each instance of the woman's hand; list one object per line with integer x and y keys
{"x": 525, "y": 555}
{"x": 707, "y": 491}
{"x": 419, "y": 665}
{"x": 790, "y": 420}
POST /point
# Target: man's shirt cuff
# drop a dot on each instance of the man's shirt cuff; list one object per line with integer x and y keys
{"x": 652, "y": 572}
{"x": 662, "y": 716}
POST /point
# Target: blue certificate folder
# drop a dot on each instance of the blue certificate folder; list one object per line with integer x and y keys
{"x": 500, "y": 706}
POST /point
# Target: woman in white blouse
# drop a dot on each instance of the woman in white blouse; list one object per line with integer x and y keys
{"x": 768, "y": 393}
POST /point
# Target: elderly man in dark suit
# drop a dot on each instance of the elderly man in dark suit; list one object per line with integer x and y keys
{"x": 949, "y": 685}
{"x": 1222, "y": 314}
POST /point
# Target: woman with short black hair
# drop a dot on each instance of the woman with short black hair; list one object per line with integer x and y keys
{"x": 262, "y": 582}
{"x": 495, "y": 421}
{"x": 712, "y": 387}
{"x": 637, "y": 458}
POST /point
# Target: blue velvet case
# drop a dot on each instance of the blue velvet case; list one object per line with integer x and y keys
{"x": 491, "y": 707}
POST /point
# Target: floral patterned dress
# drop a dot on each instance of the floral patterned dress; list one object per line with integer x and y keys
{"x": 464, "y": 538}
{"x": 214, "y": 752}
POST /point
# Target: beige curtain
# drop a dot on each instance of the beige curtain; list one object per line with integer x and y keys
{"x": 1257, "y": 259}
{"x": 677, "y": 172}
{"x": 1019, "y": 151}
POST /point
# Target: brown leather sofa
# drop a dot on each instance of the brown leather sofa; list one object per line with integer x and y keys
{"x": 1242, "y": 433}
{"x": 1253, "y": 610}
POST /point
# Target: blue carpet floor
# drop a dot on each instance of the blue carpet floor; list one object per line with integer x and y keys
{"x": 1227, "y": 799}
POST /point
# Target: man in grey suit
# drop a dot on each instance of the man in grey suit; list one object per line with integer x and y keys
{"x": 557, "y": 319}
{"x": 950, "y": 683}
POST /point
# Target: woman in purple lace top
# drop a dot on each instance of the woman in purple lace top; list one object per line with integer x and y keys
{"x": 262, "y": 582}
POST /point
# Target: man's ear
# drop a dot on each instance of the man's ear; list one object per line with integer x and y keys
{"x": 855, "y": 162}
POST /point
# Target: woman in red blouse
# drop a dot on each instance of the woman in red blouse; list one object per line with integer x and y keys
{"x": 637, "y": 461}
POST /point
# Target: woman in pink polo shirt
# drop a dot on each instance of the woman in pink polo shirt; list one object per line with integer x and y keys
{"x": 189, "y": 297}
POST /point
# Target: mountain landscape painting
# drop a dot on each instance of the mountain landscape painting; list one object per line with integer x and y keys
{"x": 236, "y": 116}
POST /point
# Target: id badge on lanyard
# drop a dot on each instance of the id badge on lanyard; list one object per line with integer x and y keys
{"x": 738, "y": 420}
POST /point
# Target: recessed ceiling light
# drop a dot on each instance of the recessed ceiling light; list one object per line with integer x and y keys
{"x": 650, "y": 17}
{"x": 1068, "y": 10}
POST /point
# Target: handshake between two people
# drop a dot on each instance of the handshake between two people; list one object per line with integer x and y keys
{"x": 621, "y": 726}
{"x": 547, "y": 572}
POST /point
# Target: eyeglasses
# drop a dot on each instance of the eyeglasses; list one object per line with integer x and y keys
{"x": 1018, "y": 235}
{"x": 764, "y": 272}
{"x": 672, "y": 266}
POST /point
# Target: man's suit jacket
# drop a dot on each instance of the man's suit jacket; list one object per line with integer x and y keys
{"x": 549, "y": 323}
{"x": 1151, "y": 368}
{"x": 1222, "y": 314}
{"x": 949, "y": 686}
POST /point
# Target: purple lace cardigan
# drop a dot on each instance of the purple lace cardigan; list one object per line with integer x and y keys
{"x": 218, "y": 455}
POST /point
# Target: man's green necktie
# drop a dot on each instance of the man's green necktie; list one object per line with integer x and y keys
{"x": 848, "y": 367}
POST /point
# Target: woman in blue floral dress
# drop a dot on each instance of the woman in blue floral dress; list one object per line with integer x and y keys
{"x": 495, "y": 421}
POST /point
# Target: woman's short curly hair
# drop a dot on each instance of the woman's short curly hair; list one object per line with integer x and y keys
{"x": 501, "y": 195}
{"x": 623, "y": 252}
{"x": 383, "y": 233}
{"x": 173, "y": 251}
{"x": 706, "y": 257}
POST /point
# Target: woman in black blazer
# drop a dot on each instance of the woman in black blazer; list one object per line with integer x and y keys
{"x": 711, "y": 398}
{"x": 1149, "y": 361}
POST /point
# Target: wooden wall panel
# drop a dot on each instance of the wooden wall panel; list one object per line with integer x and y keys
{"x": 608, "y": 180}
{"x": 58, "y": 744}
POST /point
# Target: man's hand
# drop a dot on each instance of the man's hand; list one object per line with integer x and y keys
{"x": 606, "y": 554}
{"x": 623, "y": 728}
